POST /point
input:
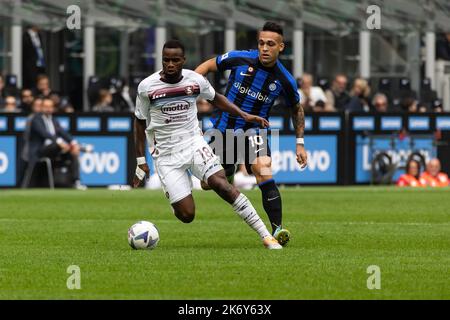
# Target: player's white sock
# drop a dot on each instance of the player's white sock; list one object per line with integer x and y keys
{"x": 244, "y": 208}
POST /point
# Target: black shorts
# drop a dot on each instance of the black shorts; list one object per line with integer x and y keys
{"x": 240, "y": 148}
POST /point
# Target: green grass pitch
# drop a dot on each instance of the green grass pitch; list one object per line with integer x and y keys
{"x": 337, "y": 234}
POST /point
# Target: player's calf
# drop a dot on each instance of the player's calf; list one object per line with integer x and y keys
{"x": 243, "y": 207}
{"x": 218, "y": 182}
{"x": 184, "y": 209}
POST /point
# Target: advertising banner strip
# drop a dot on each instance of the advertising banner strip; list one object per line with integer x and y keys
{"x": 7, "y": 161}
{"x": 3, "y": 123}
{"x": 19, "y": 123}
{"x": 419, "y": 123}
{"x": 443, "y": 123}
{"x": 330, "y": 123}
{"x": 88, "y": 124}
{"x": 391, "y": 123}
{"x": 119, "y": 124}
{"x": 363, "y": 123}
{"x": 64, "y": 122}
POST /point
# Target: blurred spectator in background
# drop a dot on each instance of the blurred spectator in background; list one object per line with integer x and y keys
{"x": 65, "y": 106}
{"x": 26, "y": 97}
{"x": 380, "y": 103}
{"x": 437, "y": 106}
{"x": 47, "y": 138}
{"x": 409, "y": 105}
{"x": 310, "y": 94}
{"x": 422, "y": 107}
{"x": 433, "y": 177}
{"x": 359, "y": 101}
{"x": 10, "y": 105}
{"x": 33, "y": 60}
{"x": 56, "y": 100}
{"x": 43, "y": 86}
{"x": 104, "y": 102}
{"x": 204, "y": 106}
{"x": 338, "y": 96}
{"x": 443, "y": 47}
{"x": 412, "y": 176}
{"x": 2, "y": 90}
{"x": 320, "y": 106}
{"x": 36, "y": 105}
{"x": 121, "y": 99}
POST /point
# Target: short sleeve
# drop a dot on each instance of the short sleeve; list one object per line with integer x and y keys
{"x": 142, "y": 106}
{"x": 235, "y": 58}
{"x": 206, "y": 89}
{"x": 291, "y": 94}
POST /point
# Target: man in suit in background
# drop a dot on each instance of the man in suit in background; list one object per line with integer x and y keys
{"x": 44, "y": 137}
{"x": 33, "y": 60}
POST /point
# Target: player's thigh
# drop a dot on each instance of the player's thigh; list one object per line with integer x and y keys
{"x": 175, "y": 181}
{"x": 205, "y": 163}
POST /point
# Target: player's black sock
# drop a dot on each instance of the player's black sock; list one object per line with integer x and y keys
{"x": 272, "y": 202}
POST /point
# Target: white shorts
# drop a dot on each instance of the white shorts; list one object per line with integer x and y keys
{"x": 174, "y": 170}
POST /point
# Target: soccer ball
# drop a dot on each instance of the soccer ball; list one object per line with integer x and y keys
{"x": 143, "y": 235}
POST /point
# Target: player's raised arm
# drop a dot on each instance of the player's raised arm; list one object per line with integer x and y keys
{"x": 142, "y": 169}
{"x": 207, "y": 67}
{"x": 298, "y": 120}
{"x": 224, "y": 104}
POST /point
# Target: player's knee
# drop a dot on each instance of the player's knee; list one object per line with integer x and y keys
{"x": 262, "y": 172}
{"x": 185, "y": 216}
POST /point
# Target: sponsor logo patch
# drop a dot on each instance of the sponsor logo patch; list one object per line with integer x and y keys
{"x": 175, "y": 107}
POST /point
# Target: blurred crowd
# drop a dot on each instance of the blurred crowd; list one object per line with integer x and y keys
{"x": 392, "y": 95}
{"x": 429, "y": 176}
{"x": 115, "y": 94}
{"x": 15, "y": 100}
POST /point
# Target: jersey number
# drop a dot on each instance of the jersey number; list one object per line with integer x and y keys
{"x": 256, "y": 140}
{"x": 205, "y": 154}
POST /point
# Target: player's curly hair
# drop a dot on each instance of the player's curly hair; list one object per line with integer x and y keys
{"x": 174, "y": 44}
{"x": 273, "y": 26}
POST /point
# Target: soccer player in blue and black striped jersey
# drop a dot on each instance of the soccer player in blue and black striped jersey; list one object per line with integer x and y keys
{"x": 256, "y": 80}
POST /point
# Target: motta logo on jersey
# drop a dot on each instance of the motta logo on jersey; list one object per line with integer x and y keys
{"x": 175, "y": 107}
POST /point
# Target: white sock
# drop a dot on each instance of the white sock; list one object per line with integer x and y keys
{"x": 244, "y": 208}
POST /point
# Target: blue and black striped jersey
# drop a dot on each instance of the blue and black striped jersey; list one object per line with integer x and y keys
{"x": 253, "y": 88}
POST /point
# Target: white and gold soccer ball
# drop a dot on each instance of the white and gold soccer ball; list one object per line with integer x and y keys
{"x": 143, "y": 235}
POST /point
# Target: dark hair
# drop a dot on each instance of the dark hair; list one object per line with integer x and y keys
{"x": 408, "y": 165}
{"x": 174, "y": 44}
{"x": 274, "y": 27}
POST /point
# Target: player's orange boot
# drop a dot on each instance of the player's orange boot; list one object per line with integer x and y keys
{"x": 271, "y": 243}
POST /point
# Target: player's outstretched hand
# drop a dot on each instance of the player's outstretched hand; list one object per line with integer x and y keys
{"x": 302, "y": 157}
{"x": 142, "y": 174}
{"x": 263, "y": 123}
